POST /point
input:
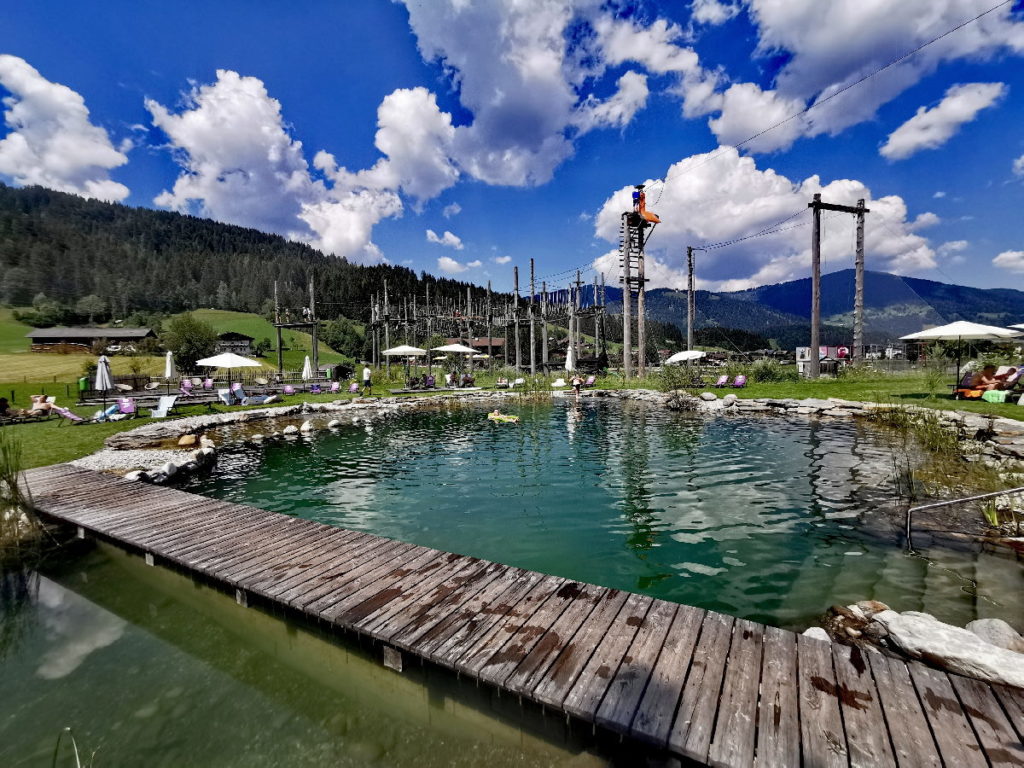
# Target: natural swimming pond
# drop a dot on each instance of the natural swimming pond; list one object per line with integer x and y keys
{"x": 770, "y": 519}
{"x": 150, "y": 669}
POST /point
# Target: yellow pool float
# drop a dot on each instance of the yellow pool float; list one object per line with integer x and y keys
{"x": 503, "y": 417}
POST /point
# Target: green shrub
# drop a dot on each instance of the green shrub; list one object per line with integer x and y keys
{"x": 766, "y": 371}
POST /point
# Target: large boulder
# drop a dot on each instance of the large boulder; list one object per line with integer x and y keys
{"x": 921, "y": 636}
{"x": 998, "y": 633}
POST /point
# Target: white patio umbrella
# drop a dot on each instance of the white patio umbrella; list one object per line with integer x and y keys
{"x": 570, "y": 359}
{"x": 307, "y": 369}
{"x": 455, "y": 349}
{"x": 685, "y": 356}
{"x": 961, "y": 331}
{"x": 228, "y": 360}
{"x": 169, "y": 372}
{"x": 404, "y": 350}
{"x": 103, "y": 381}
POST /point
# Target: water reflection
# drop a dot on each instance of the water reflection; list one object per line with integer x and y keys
{"x": 772, "y": 519}
{"x": 151, "y": 669}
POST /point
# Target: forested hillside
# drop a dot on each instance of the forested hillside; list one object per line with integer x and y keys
{"x": 67, "y": 248}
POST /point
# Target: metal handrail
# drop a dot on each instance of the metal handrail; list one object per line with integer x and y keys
{"x": 950, "y": 502}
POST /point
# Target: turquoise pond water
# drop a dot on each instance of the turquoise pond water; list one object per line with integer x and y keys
{"x": 770, "y": 519}
{"x": 149, "y": 669}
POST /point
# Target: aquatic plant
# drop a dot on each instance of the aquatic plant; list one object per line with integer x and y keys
{"x": 74, "y": 747}
{"x": 20, "y": 530}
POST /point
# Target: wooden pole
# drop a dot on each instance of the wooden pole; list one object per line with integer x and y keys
{"x": 277, "y": 320}
{"x": 627, "y": 301}
{"x": 387, "y": 328}
{"x": 430, "y": 314}
{"x": 641, "y": 312}
{"x": 544, "y": 326}
{"x": 691, "y": 303}
{"x": 316, "y": 328}
{"x": 533, "y": 340}
{"x": 490, "y": 323}
{"x": 604, "y": 330}
{"x": 515, "y": 317}
{"x": 813, "y": 366}
{"x": 858, "y": 301}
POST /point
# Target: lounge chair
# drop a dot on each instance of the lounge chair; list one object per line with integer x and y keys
{"x": 206, "y": 383}
{"x": 153, "y": 385}
{"x": 723, "y": 381}
{"x": 225, "y": 396}
{"x": 67, "y": 416}
{"x": 429, "y": 382}
{"x": 262, "y": 382}
{"x": 238, "y": 392}
{"x": 558, "y": 383}
{"x": 517, "y": 383}
{"x": 106, "y": 415}
{"x": 289, "y": 389}
{"x": 335, "y": 386}
{"x": 163, "y": 407}
{"x": 315, "y": 390}
{"x": 501, "y": 383}
{"x": 353, "y": 388}
{"x": 186, "y": 388}
{"x": 739, "y": 382}
{"x": 260, "y": 400}
{"x": 591, "y": 381}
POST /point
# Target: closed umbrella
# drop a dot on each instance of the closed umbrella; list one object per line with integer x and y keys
{"x": 570, "y": 359}
{"x": 103, "y": 380}
{"x": 169, "y": 372}
{"x": 307, "y": 370}
{"x": 961, "y": 331}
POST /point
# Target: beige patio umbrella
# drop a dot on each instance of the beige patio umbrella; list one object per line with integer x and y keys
{"x": 961, "y": 331}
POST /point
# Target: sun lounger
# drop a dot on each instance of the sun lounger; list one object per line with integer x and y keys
{"x": 153, "y": 385}
{"x": 126, "y": 409}
{"x": 517, "y": 383}
{"x": 353, "y": 388}
{"x": 186, "y": 387}
{"x": 163, "y": 407}
{"x": 225, "y": 396}
{"x": 723, "y": 381}
{"x": 289, "y": 389}
{"x": 67, "y": 416}
{"x": 335, "y": 386}
{"x": 591, "y": 381}
{"x": 740, "y": 381}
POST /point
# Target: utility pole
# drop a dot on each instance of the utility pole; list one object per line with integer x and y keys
{"x": 577, "y": 298}
{"x": 533, "y": 341}
{"x": 490, "y": 323}
{"x": 316, "y": 327}
{"x": 515, "y": 317}
{"x": 691, "y": 300}
{"x": 604, "y": 331}
{"x": 858, "y": 300}
{"x": 430, "y": 314}
{"x": 387, "y": 328}
{"x": 817, "y": 206}
{"x": 277, "y": 322}
{"x": 544, "y": 326}
{"x": 627, "y": 301}
{"x": 641, "y": 324}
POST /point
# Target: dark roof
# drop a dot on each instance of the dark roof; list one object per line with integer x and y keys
{"x": 234, "y": 336}
{"x": 90, "y": 333}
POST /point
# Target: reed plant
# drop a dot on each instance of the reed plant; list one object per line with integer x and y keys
{"x": 20, "y": 530}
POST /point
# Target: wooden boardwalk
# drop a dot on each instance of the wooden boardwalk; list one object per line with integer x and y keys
{"x": 698, "y": 684}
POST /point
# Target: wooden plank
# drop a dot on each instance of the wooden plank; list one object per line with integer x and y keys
{"x": 656, "y": 709}
{"x": 281, "y": 556}
{"x": 735, "y": 729}
{"x": 867, "y": 736}
{"x": 778, "y": 719}
{"x": 1012, "y": 700}
{"x": 448, "y": 615}
{"x": 438, "y": 585}
{"x": 377, "y": 575}
{"x": 558, "y": 679}
{"x": 571, "y": 597}
{"x": 958, "y": 745}
{"x": 555, "y": 640}
{"x": 694, "y": 722}
{"x": 340, "y": 557}
{"x": 446, "y": 646}
{"x": 998, "y": 739}
{"x": 821, "y": 724}
{"x": 630, "y": 681}
{"x": 914, "y": 745}
{"x": 325, "y": 581}
{"x": 283, "y": 573}
{"x": 377, "y": 559}
{"x": 475, "y": 652}
{"x": 585, "y": 696}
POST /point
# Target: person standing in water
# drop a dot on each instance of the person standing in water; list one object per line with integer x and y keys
{"x": 367, "y": 381}
{"x": 577, "y": 384}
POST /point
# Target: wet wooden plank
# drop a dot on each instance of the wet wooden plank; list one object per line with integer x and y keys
{"x": 821, "y": 724}
{"x": 914, "y": 745}
{"x": 554, "y": 685}
{"x": 352, "y": 565}
{"x": 867, "y": 737}
{"x": 630, "y": 681}
{"x": 998, "y": 738}
{"x": 451, "y": 614}
{"x": 584, "y": 698}
{"x": 778, "y": 719}
{"x": 475, "y": 652}
{"x": 1012, "y": 700}
{"x": 656, "y": 709}
{"x": 735, "y": 729}
{"x": 692, "y": 728}
{"x": 521, "y": 642}
{"x": 953, "y": 733}
{"x": 559, "y": 635}
{"x": 379, "y": 561}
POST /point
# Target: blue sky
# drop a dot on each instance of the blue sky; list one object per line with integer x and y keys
{"x": 463, "y": 137}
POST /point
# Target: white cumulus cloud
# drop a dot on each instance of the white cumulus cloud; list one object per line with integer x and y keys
{"x": 52, "y": 142}
{"x": 448, "y": 239}
{"x": 1018, "y": 166}
{"x": 713, "y": 11}
{"x": 730, "y": 197}
{"x": 931, "y": 128}
{"x": 453, "y": 209}
{"x": 241, "y": 165}
{"x": 502, "y": 259}
{"x": 450, "y": 266}
{"x": 1010, "y": 260}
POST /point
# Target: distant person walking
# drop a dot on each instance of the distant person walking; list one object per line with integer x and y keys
{"x": 367, "y": 381}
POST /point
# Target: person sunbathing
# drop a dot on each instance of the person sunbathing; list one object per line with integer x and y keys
{"x": 40, "y": 407}
{"x": 1008, "y": 379}
{"x": 985, "y": 380}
